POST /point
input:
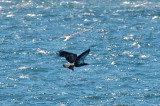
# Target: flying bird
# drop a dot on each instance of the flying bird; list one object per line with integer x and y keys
{"x": 74, "y": 59}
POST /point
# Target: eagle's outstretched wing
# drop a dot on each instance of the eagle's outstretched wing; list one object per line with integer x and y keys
{"x": 70, "y": 57}
{"x": 81, "y": 57}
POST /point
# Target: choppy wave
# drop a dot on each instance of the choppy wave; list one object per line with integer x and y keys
{"x": 123, "y": 62}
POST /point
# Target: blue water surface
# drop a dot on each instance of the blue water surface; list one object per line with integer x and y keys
{"x": 124, "y": 38}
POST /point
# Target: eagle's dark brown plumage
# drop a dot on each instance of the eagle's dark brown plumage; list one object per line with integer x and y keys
{"x": 76, "y": 61}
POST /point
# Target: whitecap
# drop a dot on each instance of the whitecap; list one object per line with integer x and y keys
{"x": 135, "y": 79}
{"x": 86, "y": 13}
{"x": 31, "y": 15}
{"x": 86, "y": 20}
{"x": 24, "y": 77}
{"x": 86, "y": 69}
{"x": 155, "y": 17}
{"x": 62, "y": 105}
{"x": 95, "y": 19}
{"x": 42, "y": 51}
{"x": 126, "y": 2}
{"x": 113, "y": 63}
{"x": 126, "y": 52}
{"x": 140, "y": 100}
{"x": 131, "y": 55}
{"x": 12, "y": 79}
{"x": 144, "y": 56}
{"x": 6, "y": 1}
{"x": 131, "y": 35}
{"x": 34, "y": 40}
{"x": 23, "y": 68}
{"x": 0, "y": 7}
{"x": 64, "y": 93}
{"x": 67, "y": 2}
{"x": 109, "y": 79}
{"x": 128, "y": 38}
{"x": 146, "y": 89}
{"x": 75, "y": 2}
{"x": 10, "y": 15}
{"x": 136, "y": 44}
{"x": 34, "y": 15}
{"x": 99, "y": 87}
{"x": 113, "y": 93}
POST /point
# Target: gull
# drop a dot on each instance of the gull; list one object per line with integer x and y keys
{"x": 68, "y": 37}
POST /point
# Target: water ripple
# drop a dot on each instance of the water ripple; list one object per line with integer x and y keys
{"x": 123, "y": 62}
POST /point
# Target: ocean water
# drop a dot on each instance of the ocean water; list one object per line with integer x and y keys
{"x": 124, "y": 38}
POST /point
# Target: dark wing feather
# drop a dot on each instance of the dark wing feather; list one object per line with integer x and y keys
{"x": 81, "y": 57}
{"x": 70, "y": 57}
